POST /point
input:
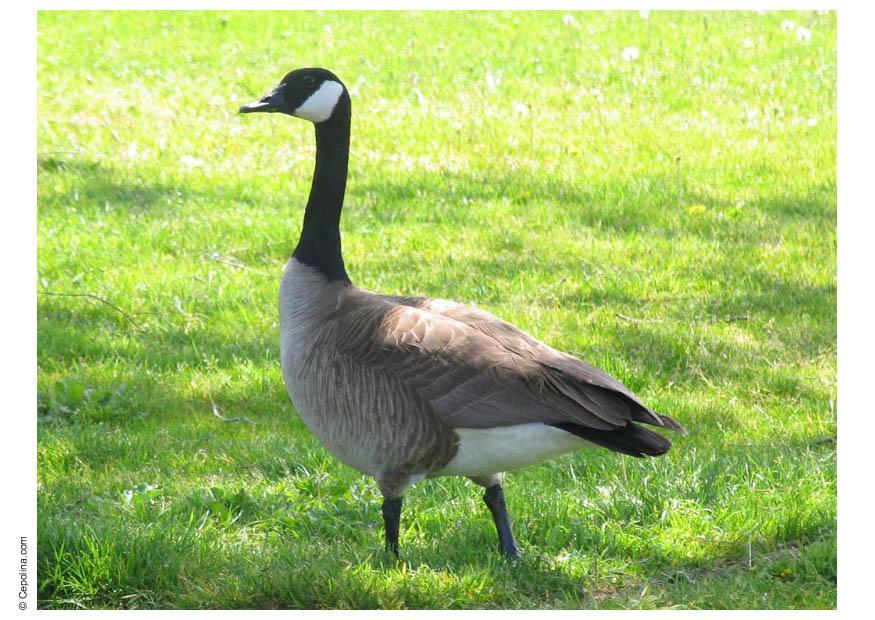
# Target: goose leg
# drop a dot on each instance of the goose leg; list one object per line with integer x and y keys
{"x": 392, "y": 485}
{"x": 392, "y": 522}
{"x": 494, "y": 499}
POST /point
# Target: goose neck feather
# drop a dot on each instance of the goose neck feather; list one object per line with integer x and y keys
{"x": 319, "y": 245}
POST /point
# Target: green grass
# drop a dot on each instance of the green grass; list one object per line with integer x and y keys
{"x": 670, "y": 219}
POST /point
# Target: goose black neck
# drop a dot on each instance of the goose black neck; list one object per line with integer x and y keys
{"x": 319, "y": 245}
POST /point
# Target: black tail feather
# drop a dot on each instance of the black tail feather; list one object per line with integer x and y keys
{"x": 643, "y": 414}
{"x": 674, "y": 425}
{"x": 631, "y": 439}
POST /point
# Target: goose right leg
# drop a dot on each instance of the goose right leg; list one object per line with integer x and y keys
{"x": 494, "y": 498}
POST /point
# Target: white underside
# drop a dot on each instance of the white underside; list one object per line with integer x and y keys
{"x": 487, "y": 451}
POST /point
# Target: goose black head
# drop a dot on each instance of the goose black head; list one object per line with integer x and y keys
{"x": 312, "y": 94}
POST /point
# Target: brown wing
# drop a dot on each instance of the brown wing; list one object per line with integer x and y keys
{"x": 571, "y": 374}
{"x": 470, "y": 377}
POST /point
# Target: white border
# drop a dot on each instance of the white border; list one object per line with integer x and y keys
{"x": 18, "y": 319}
{"x": 856, "y": 301}
{"x": 410, "y": 5}
{"x": 856, "y": 227}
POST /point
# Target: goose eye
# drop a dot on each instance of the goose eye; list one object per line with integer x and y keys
{"x": 309, "y": 80}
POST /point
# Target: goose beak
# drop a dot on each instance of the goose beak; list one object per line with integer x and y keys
{"x": 271, "y": 102}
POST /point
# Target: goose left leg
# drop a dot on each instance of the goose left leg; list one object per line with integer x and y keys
{"x": 392, "y": 522}
{"x": 392, "y": 486}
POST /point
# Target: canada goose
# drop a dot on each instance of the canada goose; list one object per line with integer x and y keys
{"x": 406, "y": 388}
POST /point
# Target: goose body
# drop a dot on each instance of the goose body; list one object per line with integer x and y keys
{"x": 405, "y": 388}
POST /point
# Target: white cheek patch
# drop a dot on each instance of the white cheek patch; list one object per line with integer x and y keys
{"x": 319, "y": 106}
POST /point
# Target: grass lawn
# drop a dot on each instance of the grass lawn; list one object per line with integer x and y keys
{"x": 670, "y": 218}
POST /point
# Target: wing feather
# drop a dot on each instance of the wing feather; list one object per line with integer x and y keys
{"x": 543, "y": 371}
{"x": 469, "y": 377}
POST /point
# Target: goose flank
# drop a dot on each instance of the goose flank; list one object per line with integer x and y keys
{"x": 406, "y": 388}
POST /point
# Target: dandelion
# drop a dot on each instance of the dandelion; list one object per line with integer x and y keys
{"x": 787, "y": 25}
{"x": 631, "y": 53}
{"x": 803, "y": 34}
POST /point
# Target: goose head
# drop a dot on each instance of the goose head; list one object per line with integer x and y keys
{"x": 312, "y": 94}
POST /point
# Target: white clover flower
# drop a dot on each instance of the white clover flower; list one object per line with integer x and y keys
{"x": 644, "y": 14}
{"x": 358, "y": 84}
{"x": 521, "y": 108}
{"x": 812, "y": 121}
{"x": 493, "y": 80}
{"x": 568, "y": 19}
{"x": 631, "y": 53}
{"x": 787, "y": 25}
{"x": 803, "y": 34}
{"x": 191, "y": 162}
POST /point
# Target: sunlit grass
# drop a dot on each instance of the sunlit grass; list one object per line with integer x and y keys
{"x": 670, "y": 219}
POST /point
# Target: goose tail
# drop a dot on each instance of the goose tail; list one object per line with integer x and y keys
{"x": 671, "y": 424}
{"x": 632, "y": 439}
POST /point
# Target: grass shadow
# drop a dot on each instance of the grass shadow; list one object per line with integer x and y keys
{"x": 650, "y": 204}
